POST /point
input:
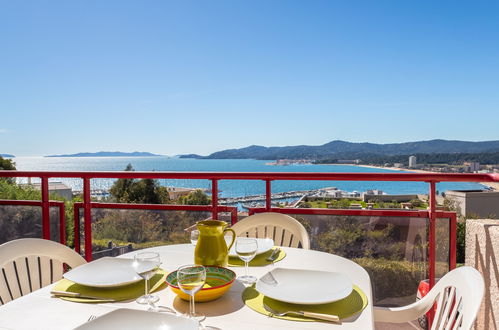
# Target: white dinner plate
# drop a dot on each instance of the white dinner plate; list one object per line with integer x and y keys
{"x": 105, "y": 272}
{"x": 300, "y": 286}
{"x": 132, "y": 319}
{"x": 264, "y": 245}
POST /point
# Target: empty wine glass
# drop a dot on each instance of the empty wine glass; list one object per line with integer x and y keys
{"x": 191, "y": 279}
{"x": 146, "y": 264}
{"x": 246, "y": 250}
{"x": 194, "y": 237}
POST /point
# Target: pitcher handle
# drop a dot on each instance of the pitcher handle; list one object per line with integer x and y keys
{"x": 233, "y": 237}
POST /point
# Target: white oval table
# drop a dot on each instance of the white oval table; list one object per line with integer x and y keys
{"x": 38, "y": 310}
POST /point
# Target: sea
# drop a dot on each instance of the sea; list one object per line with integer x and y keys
{"x": 228, "y": 188}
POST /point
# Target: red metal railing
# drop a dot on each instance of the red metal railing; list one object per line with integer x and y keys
{"x": 432, "y": 213}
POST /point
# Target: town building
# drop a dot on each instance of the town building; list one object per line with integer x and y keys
{"x": 348, "y": 161}
{"x": 412, "y": 162}
{"x": 475, "y": 203}
{"x": 176, "y": 192}
{"x": 56, "y": 188}
{"x": 472, "y": 166}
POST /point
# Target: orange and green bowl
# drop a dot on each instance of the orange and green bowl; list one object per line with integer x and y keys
{"x": 218, "y": 281}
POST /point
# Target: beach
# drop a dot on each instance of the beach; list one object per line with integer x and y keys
{"x": 384, "y": 168}
{"x": 493, "y": 185}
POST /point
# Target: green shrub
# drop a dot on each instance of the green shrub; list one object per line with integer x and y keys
{"x": 398, "y": 279}
{"x": 393, "y": 278}
{"x": 461, "y": 241}
{"x": 102, "y": 244}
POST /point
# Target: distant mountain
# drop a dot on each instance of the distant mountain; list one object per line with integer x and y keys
{"x": 109, "y": 154}
{"x": 7, "y": 155}
{"x": 346, "y": 149}
{"x": 195, "y": 156}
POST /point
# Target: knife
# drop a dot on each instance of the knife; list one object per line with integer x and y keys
{"x": 59, "y": 294}
{"x": 274, "y": 255}
{"x": 320, "y": 316}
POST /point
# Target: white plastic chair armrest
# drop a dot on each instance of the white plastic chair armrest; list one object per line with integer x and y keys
{"x": 406, "y": 313}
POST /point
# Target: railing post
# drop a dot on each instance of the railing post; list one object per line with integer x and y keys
{"x": 45, "y": 208}
{"x": 214, "y": 199}
{"x": 76, "y": 229}
{"x": 62, "y": 223}
{"x": 452, "y": 241}
{"x": 432, "y": 239}
{"x": 268, "y": 195}
{"x": 88, "y": 219}
{"x": 233, "y": 216}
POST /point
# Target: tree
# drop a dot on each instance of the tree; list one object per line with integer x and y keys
{"x": 147, "y": 191}
{"x": 121, "y": 188}
{"x": 7, "y": 164}
{"x": 196, "y": 197}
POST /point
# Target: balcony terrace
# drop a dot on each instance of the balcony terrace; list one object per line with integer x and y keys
{"x": 399, "y": 247}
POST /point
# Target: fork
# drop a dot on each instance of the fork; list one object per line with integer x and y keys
{"x": 320, "y": 316}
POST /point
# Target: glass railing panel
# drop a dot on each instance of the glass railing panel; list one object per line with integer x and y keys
{"x": 442, "y": 247}
{"x": 116, "y": 231}
{"x": 393, "y": 250}
{"x": 18, "y": 221}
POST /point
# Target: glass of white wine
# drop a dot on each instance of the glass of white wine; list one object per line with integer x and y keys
{"x": 146, "y": 264}
{"x": 191, "y": 279}
{"x": 246, "y": 250}
{"x": 194, "y": 237}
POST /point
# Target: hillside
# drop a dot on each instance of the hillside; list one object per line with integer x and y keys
{"x": 195, "y": 156}
{"x": 346, "y": 149}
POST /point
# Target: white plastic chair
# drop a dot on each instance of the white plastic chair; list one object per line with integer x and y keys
{"x": 458, "y": 296}
{"x": 283, "y": 229}
{"x": 29, "y": 264}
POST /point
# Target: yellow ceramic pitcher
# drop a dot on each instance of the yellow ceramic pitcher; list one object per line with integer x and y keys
{"x": 211, "y": 248}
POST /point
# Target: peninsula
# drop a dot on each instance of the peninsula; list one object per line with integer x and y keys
{"x": 109, "y": 154}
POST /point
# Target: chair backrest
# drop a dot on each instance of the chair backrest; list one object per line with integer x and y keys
{"x": 283, "y": 229}
{"x": 458, "y": 296}
{"x": 29, "y": 264}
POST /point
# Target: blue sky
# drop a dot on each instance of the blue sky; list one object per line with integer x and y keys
{"x": 201, "y": 76}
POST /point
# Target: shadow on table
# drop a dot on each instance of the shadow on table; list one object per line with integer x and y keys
{"x": 228, "y": 303}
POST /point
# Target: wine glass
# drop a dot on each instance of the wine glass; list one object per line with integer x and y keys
{"x": 146, "y": 264}
{"x": 246, "y": 250}
{"x": 194, "y": 237}
{"x": 191, "y": 279}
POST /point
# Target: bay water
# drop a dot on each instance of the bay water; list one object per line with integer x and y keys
{"x": 228, "y": 188}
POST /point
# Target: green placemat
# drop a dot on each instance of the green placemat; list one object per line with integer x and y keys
{"x": 259, "y": 260}
{"x": 351, "y": 305}
{"x": 126, "y": 292}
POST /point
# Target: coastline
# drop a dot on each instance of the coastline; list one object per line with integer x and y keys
{"x": 494, "y": 186}
{"x": 386, "y": 168}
